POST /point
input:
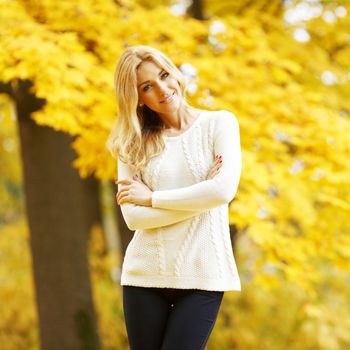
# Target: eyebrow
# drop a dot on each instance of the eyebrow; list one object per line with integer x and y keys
{"x": 148, "y": 81}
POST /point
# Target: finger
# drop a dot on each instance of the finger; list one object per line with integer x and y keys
{"x": 121, "y": 196}
{"x": 124, "y": 189}
{"x": 124, "y": 181}
{"x": 124, "y": 197}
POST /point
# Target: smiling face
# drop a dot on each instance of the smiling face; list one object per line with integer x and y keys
{"x": 157, "y": 88}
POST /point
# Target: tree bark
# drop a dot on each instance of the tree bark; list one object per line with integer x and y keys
{"x": 196, "y": 10}
{"x": 59, "y": 219}
{"x": 91, "y": 191}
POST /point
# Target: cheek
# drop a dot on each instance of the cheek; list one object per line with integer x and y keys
{"x": 178, "y": 89}
{"x": 177, "y": 85}
{"x": 150, "y": 98}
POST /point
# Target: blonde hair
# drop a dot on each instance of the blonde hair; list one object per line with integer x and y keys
{"x": 136, "y": 134}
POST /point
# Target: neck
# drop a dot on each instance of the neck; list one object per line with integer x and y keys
{"x": 179, "y": 119}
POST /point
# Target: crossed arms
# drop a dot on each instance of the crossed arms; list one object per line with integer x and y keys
{"x": 175, "y": 205}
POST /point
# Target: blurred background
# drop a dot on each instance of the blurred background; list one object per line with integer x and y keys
{"x": 282, "y": 67}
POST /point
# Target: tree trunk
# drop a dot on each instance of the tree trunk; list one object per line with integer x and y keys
{"x": 91, "y": 191}
{"x": 59, "y": 218}
{"x": 196, "y": 10}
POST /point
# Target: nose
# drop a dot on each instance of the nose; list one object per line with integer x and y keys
{"x": 164, "y": 93}
{"x": 163, "y": 89}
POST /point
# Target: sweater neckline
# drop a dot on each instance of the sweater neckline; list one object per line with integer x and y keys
{"x": 187, "y": 130}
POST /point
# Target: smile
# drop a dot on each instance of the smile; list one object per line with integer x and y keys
{"x": 168, "y": 99}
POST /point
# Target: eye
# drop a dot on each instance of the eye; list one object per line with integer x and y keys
{"x": 165, "y": 74}
{"x": 145, "y": 88}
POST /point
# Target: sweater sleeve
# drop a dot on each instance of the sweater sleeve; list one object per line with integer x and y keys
{"x": 222, "y": 187}
{"x": 142, "y": 217}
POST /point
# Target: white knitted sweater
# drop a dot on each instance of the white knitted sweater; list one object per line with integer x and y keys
{"x": 183, "y": 240}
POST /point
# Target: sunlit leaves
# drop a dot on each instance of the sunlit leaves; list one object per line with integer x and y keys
{"x": 293, "y": 198}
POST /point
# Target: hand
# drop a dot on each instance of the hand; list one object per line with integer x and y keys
{"x": 134, "y": 191}
{"x": 215, "y": 168}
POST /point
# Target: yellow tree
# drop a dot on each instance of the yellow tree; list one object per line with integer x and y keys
{"x": 288, "y": 84}
{"x": 293, "y": 198}
{"x": 10, "y": 193}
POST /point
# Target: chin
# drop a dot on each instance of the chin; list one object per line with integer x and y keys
{"x": 172, "y": 107}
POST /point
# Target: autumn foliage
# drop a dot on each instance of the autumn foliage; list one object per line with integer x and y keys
{"x": 288, "y": 84}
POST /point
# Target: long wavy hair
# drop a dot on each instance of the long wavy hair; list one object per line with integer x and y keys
{"x": 136, "y": 134}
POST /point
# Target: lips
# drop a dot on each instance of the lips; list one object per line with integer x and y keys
{"x": 168, "y": 99}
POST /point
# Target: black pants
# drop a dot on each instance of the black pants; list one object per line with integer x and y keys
{"x": 169, "y": 319}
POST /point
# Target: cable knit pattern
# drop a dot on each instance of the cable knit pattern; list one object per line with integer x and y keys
{"x": 200, "y": 149}
{"x": 190, "y": 162}
{"x": 159, "y": 236}
{"x": 183, "y": 240}
{"x": 181, "y": 255}
{"x": 227, "y": 240}
{"x": 210, "y": 136}
{"x": 155, "y": 175}
{"x": 160, "y": 252}
{"x": 215, "y": 243}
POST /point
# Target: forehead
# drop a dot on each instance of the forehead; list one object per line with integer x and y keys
{"x": 147, "y": 70}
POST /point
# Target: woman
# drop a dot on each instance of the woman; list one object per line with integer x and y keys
{"x": 178, "y": 169}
